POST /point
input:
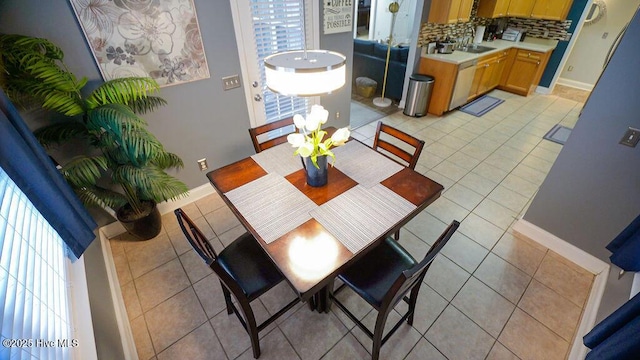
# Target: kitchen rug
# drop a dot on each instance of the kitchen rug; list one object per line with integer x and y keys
{"x": 481, "y": 105}
{"x": 558, "y": 134}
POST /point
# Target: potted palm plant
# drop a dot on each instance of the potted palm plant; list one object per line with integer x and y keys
{"x": 120, "y": 148}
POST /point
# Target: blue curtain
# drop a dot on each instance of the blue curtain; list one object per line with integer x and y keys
{"x": 616, "y": 337}
{"x": 29, "y": 166}
{"x": 625, "y": 248}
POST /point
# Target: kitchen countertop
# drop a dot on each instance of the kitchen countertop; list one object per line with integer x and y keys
{"x": 458, "y": 56}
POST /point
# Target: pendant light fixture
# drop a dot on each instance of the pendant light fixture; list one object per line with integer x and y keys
{"x": 305, "y": 72}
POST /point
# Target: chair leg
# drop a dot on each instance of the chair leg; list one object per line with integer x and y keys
{"x": 412, "y": 304}
{"x": 377, "y": 334}
{"x": 227, "y": 299}
{"x": 396, "y": 235}
{"x": 251, "y": 327}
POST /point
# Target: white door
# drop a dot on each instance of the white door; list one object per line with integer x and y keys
{"x": 262, "y": 28}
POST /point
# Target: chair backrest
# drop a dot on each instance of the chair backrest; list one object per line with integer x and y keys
{"x": 196, "y": 238}
{"x": 410, "y": 158}
{"x": 414, "y": 276}
{"x": 263, "y": 129}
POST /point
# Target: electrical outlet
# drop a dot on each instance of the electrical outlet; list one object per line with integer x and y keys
{"x": 337, "y": 114}
{"x": 230, "y": 82}
{"x": 631, "y": 137}
{"x": 604, "y": 35}
{"x": 570, "y": 68}
{"x": 202, "y": 164}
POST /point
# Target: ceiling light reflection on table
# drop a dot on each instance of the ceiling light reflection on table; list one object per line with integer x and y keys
{"x": 313, "y": 257}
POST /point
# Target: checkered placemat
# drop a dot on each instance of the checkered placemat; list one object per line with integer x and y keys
{"x": 363, "y": 164}
{"x": 360, "y": 215}
{"x": 272, "y": 205}
{"x": 278, "y": 159}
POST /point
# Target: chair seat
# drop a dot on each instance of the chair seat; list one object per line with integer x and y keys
{"x": 372, "y": 276}
{"x": 249, "y": 266}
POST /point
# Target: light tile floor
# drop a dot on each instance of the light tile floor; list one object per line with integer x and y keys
{"x": 489, "y": 295}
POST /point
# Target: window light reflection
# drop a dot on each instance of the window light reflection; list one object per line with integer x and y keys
{"x": 313, "y": 257}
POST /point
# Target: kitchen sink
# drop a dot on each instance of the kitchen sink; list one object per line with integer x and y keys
{"x": 476, "y": 49}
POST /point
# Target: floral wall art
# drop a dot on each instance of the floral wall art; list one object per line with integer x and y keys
{"x": 156, "y": 38}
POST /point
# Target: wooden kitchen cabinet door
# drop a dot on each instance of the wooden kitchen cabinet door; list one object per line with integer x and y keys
{"x": 492, "y": 8}
{"x": 450, "y": 11}
{"x": 551, "y": 9}
{"x": 521, "y": 8}
{"x": 525, "y": 72}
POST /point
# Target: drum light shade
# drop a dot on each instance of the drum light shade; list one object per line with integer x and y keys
{"x": 305, "y": 73}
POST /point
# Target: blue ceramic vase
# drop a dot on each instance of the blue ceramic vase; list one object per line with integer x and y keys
{"x": 316, "y": 176}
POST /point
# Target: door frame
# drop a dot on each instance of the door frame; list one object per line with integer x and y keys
{"x": 240, "y": 28}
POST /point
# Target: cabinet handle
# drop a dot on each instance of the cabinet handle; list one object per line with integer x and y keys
{"x": 538, "y": 63}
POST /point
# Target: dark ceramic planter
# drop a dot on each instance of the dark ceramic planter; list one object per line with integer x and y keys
{"x": 144, "y": 227}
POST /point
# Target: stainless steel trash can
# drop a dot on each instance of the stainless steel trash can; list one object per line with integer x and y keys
{"x": 418, "y": 95}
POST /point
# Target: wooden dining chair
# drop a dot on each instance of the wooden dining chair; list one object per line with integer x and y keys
{"x": 263, "y": 129}
{"x": 385, "y": 276}
{"x": 245, "y": 272}
{"x": 411, "y": 158}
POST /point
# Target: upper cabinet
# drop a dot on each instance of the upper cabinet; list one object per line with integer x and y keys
{"x": 493, "y": 8}
{"x": 538, "y": 9}
{"x": 551, "y": 9}
{"x": 521, "y": 8}
{"x": 450, "y": 11}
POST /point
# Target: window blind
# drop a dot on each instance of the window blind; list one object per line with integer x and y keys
{"x": 277, "y": 27}
{"x": 35, "y": 313}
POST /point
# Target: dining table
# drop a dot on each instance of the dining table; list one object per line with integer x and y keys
{"x": 313, "y": 233}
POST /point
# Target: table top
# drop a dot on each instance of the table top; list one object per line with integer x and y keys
{"x": 312, "y": 233}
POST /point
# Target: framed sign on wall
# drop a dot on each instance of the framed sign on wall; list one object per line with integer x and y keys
{"x": 338, "y": 16}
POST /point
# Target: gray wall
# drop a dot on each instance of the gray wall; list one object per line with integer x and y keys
{"x": 593, "y": 189}
{"x": 200, "y": 120}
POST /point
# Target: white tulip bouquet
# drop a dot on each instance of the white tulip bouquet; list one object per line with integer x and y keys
{"x": 309, "y": 139}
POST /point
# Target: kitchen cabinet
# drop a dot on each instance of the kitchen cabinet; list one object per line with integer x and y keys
{"x": 538, "y": 9}
{"x": 551, "y": 9}
{"x": 523, "y": 71}
{"x": 444, "y": 74}
{"x": 450, "y": 11}
{"x": 493, "y": 8}
{"x": 520, "y": 8}
{"x": 488, "y": 74}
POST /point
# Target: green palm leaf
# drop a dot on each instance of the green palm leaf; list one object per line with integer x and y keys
{"x": 60, "y": 132}
{"x": 166, "y": 160}
{"x": 101, "y": 197}
{"x": 146, "y": 104}
{"x": 122, "y": 91}
{"x": 84, "y": 171}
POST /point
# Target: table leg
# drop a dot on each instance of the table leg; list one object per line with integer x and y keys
{"x": 321, "y": 301}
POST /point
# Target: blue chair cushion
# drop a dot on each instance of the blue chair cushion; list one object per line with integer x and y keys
{"x": 373, "y": 275}
{"x": 246, "y": 262}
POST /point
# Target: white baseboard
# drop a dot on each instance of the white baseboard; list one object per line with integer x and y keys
{"x": 543, "y": 90}
{"x": 575, "y": 84}
{"x": 561, "y": 247}
{"x": 122, "y": 319}
{"x": 589, "y": 262}
{"x": 115, "y": 228}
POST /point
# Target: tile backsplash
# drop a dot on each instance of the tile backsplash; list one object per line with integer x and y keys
{"x": 545, "y": 29}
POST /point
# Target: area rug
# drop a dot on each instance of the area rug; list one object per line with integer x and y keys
{"x": 481, "y": 105}
{"x": 558, "y": 134}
